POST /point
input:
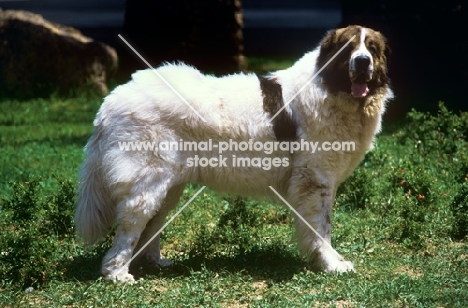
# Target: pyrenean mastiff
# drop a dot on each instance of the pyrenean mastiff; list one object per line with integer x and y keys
{"x": 335, "y": 93}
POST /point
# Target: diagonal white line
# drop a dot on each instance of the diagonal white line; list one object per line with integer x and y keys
{"x": 164, "y": 227}
{"x": 313, "y": 77}
{"x": 307, "y": 224}
{"x": 161, "y": 77}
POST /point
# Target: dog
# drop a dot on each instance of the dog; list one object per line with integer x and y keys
{"x": 334, "y": 93}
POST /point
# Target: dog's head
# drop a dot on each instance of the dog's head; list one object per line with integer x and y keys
{"x": 360, "y": 68}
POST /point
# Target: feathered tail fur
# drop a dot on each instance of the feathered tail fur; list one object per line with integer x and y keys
{"x": 95, "y": 211}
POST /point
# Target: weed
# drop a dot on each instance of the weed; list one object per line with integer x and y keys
{"x": 459, "y": 207}
{"x": 35, "y": 231}
{"x": 357, "y": 191}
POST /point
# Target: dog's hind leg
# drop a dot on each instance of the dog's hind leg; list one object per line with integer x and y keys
{"x": 133, "y": 213}
{"x": 313, "y": 195}
{"x": 152, "y": 251}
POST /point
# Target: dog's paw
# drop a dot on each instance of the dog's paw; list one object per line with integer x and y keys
{"x": 120, "y": 278}
{"x": 343, "y": 267}
{"x": 330, "y": 262}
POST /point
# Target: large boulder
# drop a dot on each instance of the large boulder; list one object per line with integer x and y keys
{"x": 38, "y": 57}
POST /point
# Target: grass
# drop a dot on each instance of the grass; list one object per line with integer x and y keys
{"x": 402, "y": 218}
{"x": 264, "y": 65}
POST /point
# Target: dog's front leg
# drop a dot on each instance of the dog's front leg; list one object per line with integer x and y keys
{"x": 312, "y": 194}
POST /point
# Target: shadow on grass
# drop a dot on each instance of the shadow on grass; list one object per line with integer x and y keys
{"x": 267, "y": 263}
{"x": 86, "y": 266}
{"x": 272, "y": 263}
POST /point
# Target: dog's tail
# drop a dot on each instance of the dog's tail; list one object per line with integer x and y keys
{"x": 95, "y": 211}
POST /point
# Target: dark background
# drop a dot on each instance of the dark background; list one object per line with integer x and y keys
{"x": 428, "y": 64}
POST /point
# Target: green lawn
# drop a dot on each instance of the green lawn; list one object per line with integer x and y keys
{"x": 402, "y": 218}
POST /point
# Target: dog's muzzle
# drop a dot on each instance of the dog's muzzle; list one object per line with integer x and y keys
{"x": 360, "y": 73}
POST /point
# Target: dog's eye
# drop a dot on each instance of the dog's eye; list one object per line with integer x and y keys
{"x": 372, "y": 48}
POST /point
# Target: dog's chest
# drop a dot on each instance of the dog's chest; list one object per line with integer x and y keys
{"x": 344, "y": 120}
{"x": 349, "y": 127}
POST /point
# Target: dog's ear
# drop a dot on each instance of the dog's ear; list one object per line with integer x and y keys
{"x": 327, "y": 46}
{"x": 384, "y": 44}
{"x": 328, "y": 42}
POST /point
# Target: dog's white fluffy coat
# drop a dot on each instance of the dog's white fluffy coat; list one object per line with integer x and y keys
{"x": 137, "y": 189}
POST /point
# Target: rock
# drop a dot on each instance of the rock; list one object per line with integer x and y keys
{"x": 39, "y": 57}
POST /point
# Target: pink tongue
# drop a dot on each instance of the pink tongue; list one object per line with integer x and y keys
{"x": 359, "y": 89}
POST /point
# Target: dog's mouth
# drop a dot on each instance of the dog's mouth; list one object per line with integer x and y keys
{"x": 359, "y": 83}
{"x": 359, "y": 89}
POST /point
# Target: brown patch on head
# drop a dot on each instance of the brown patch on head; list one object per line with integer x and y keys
{"x": 377, "y": 45}
{"x": 338, "y": 75}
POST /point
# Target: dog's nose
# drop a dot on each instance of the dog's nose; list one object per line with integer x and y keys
{"x": 361, "y": 63}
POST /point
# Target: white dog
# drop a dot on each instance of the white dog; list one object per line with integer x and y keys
{"x": 135, "y": 189}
